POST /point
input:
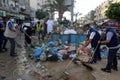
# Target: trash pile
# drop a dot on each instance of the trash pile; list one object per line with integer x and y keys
{"x": 56, "y": 51}
{"x": 53, "y": 51}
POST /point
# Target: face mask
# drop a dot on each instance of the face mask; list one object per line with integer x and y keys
{"x": 1, "y": 21}
{"x": 12, "y": 20}
{"x": 104, "y": 30}
{"x": 92, "y": 26}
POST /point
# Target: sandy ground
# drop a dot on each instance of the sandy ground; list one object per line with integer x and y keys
{"x": 81, "y": 73}
{"x": 99, "y": 75}
{"x": 23, "y": 68}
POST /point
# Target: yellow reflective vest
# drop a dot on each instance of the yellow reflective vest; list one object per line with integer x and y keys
{"x": 38, "y": 27}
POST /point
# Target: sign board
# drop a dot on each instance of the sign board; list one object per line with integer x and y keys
{"x": 18, "y": 16}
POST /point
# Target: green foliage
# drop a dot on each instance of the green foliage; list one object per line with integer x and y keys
{"x": 113, "y": 11}
{"x": 40, "y": 14}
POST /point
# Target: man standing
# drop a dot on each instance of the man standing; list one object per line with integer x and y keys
{"x": 38, "y": 28}
{"x": 50, "y": 24}
{"x": 112, "y": 42}
{"x": 1, "y": 34}
{"x": 65, "y": 22}
{"x": 33, "y": 24}
{"x": 10, "y": 33}
{"x": 93, "y": 38}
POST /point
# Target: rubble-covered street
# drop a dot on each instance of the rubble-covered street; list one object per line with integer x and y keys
{"x": 25, "y": 68}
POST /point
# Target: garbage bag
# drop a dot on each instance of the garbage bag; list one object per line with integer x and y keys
{"x": 51, "y": 43}
{"x": 54, "y": 51}
{"x": 43, "y": 57}
{"x": 38, "y": 52}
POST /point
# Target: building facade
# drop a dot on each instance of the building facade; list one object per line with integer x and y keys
{"x": 18, "y": 8}
{"x": 104, "y": 7}
{"x": 114, "y": 1}
{"x": 97, "y": 14}
{"x": 101, "y": 9}
{"x": 39, "y": 5}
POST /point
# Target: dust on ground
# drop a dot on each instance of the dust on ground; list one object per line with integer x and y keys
{"x": 24, "y": 68}
{"x": 14, "y": 69}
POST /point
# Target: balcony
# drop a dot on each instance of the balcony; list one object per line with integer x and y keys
{"x": 4, "y": 7}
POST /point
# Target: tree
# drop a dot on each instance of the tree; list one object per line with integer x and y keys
{"x": 40, "y": 14}
{"x": 77, "y": 14}
{"x": 59, "y": 5}
{"x": 113, "y": 11}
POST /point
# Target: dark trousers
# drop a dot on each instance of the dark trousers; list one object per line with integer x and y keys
{"x": 27, "y": 39}
{"x": 112, "y": 59}
{"x": 4, "y": 42}
{"x": 33, "y": 31}
{"x": 41, "y": 33}
{"x": 96, "y": 55}
{"x": 1, "y": 43}
{"x": 12, "y": 46}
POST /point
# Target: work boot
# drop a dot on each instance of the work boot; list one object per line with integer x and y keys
{"x": 106, "y": 70}
{"x": 5, "y": 49}
{"x": 14, "y": 55}
{"x": 115, "y": 69}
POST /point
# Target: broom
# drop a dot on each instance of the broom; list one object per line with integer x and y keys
{"x": 74, "y": 59}
{"x": 85, "y": 64}
{"x": 18, "y": 45}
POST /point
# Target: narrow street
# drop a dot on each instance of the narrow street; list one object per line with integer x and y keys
{"x": 59, "y": 39}
{"x": 25, "y": 68}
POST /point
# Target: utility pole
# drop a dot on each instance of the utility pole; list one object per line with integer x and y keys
{"x": 72, "y": 12}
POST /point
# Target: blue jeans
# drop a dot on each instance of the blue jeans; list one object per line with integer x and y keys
{"x": 12, "y": 45}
